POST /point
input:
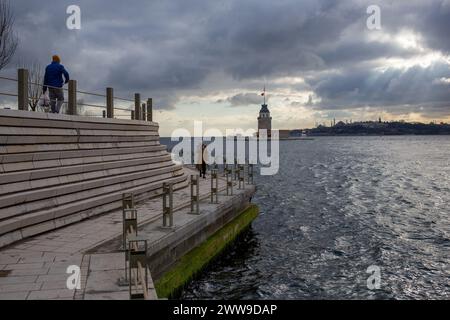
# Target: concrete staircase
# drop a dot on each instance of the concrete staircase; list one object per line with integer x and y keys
{"x": 57, "y": 169}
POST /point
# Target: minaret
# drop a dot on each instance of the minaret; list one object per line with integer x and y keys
{"x": 264, "y": 119}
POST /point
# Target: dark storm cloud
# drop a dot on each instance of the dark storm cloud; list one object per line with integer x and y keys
{"x": 414, "y": 88}
{"x": 166, "y": 49}
{"x": 243, "y": 99}
{"x": 430, "y": 19}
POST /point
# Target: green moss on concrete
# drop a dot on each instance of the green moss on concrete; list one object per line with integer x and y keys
{"x": 195, "y": 260}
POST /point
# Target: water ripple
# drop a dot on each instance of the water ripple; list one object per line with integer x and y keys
{"x": 338, "y": 206}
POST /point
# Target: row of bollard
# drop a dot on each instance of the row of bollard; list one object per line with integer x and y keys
{"x": 136, "y": 270}
{"x": 195, "y": 190}
{"x": 136, "y": 274}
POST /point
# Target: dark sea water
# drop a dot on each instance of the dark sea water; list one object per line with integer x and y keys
{"x": 337, "y": 206}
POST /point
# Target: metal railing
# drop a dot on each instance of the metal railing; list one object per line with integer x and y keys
{"x": 141, "y": 111}
{"x": 136, "y": 269}
{"x": 135, "y": 247}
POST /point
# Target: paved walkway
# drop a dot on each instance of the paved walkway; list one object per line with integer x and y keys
{"x": 36, "y": 268}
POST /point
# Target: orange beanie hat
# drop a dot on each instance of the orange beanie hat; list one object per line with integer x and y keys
{"x": 56, "y": 58}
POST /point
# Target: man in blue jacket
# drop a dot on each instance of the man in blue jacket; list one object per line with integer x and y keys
{"x": 53, "y": 79}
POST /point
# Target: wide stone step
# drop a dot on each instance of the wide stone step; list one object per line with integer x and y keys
{"x": 48, "y": 120}
{"x": 55, "y": 168}
{"x": 22, "y": 227}
{"x": 10, "y": 149}
{"x": 68, "y": 182}
{"x": 14, "y": 140}
{"x": 31, "y": 131}
{"x": 77, "y": 202}
{"x": 68, "y": 155}
{"x": 59, "y": 169}
{"x": 53, "y": 193}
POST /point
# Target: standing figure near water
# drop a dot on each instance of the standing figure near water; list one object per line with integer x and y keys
{"x": 53, "y": 79}
{"x": 201, "y": 160}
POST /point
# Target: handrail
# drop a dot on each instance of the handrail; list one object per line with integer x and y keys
{"x": 10, "y": 79}
{"x": 140, "y": 111}
{"x": 92, "y": 94}
{"x": 140, "y": 272}
{"x": 48, "y": 86}
{"x": 123, "y": 99}
{"x": 90, "y": 105}
{"x": 8, "y": 94}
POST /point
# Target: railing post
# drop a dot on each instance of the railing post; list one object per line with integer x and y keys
{"x": 127, "y": 201}
{"x": 250, "y": 174}
{"x": 167, "y": 205}
{"x": 137, "y": 106}
{"x": 110, "y": 102}
{"x": 143, "y": 112}
{"x": 150, "y": 109}
{"x": 241, "y": 178}
{"x": 224, "y": 166}
{"x": 228, "y": 173}
{"x": 132, "y": 114}
{"x": 22, "y": 89}
{"x": 72, "y": 100}
{"x": 127, "y": 204}
{"x": 195, "y": 194}
{"x": 214, "y": 186}
{"x": 129, "y": 218}
{"x": 138, "y": 269}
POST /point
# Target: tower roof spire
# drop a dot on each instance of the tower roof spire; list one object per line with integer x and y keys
{"x": 264, "y": 94}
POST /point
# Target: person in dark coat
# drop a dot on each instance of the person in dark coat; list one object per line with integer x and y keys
{"x": 201, "y": 160}
{"x": 204, "y": 156}
{"x": 55, "y": 78}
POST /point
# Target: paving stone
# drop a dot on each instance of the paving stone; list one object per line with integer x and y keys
{"x": 30, "y": 259}
{"x": 50, "y": 294}
{"x": 107, "y": 261}
{"x": 52, "y": 251}
{"x": 59, "y": 270}
{"x": 8, "y": 258}
{"x": 53, "y": 277}
{"x": 59, "y": 257}
{"x": 17, "y": 280}
{"x": 14, "y": 295}
{"x": 24, "y": 266}
{"x": 21, "y": 287}
{"x": 28, "y": 272}
{"x": 41, "y": 248}
{"x": 51, "y": 285}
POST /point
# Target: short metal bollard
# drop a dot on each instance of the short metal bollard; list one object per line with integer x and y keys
{"x": 236, "y": 173}
{"x": 195, "y": 194}
{"x": 138, "y": 270}
{"x": 214, "y": 186}
{"x": 241, "y": 177}
{"x": 224, "y": 173}
{"x": 167, "y": 205}
{"x": 129, "y": 219}
{"x": 250, "y": 174}
{"x": 129, "y": 225}
{"x": 228, "y": 174}
{"x": 127, "y": 201}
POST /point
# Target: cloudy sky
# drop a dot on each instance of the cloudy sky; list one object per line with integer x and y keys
{"x": 209, "y": 60}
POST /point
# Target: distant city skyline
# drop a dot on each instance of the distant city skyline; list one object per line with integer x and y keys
{"x": 209, "y": 61}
